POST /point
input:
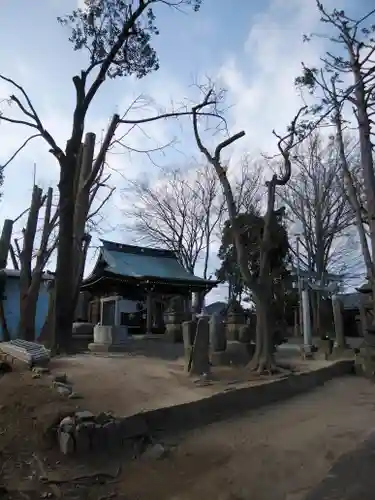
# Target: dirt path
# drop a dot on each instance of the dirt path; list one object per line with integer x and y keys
{"x": 276, "y": 454}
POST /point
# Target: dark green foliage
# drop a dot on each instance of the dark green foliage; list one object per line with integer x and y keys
{"x": 252, "y": 227}
{"x": 355, "y": 37}
{"x": 234, "y": 307}
{"x": 125, "y": 25}
{"x": 284, "y": 296}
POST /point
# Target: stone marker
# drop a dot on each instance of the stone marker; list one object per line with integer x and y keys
{"x": 66, "y": 424}
{"x": 200, "y": 363}
{"x": 338, "y": 319}
{"x": 189, "y": 329}
{"x": 245, "y": 333}
{"x": 218, "y": 339}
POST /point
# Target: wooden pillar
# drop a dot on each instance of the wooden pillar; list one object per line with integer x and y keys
{"x": 101, "y": 312}
{"x": 117, "y": 312}
{"x": 149, "y": 313}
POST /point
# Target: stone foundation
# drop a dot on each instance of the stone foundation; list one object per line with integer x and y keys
{"x": 84, "y": 432}
{"x": 109, "y": 338}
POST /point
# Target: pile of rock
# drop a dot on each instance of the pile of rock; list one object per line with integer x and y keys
{"x": 65, "y": 386}
{"x": 83, "y": 432}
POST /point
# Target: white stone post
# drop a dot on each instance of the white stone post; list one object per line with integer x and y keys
{"x": 307, "y": 337}
{"x": 149, "y": 313}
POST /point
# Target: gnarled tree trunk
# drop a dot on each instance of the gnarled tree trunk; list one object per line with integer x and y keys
{"x": 262, "y": 286}
{"x": 31, "y": 278}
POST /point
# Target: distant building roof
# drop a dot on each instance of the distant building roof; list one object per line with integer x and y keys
{"x": 216, "y": 308}
{"x": 142, "y": 264}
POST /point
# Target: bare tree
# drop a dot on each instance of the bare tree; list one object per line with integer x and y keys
{"x": 261, "y": 286}
{"x": 31, "y": 275}
{"x": 180, "y": 212}
{"x": 247, "y": 184}
{"x": 315, "y": 199}
{"x": 354, "y": 40}
{"x": 116, "y": 35}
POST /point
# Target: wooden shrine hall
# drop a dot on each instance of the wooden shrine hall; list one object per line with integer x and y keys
{"x": 132, "y": 286}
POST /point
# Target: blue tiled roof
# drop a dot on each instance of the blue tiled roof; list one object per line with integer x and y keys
{"x": 142, "y": 262}
{"x": 138, "y": 266}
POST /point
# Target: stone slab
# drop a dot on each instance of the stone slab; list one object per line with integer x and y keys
{"x": 30, "y": 353}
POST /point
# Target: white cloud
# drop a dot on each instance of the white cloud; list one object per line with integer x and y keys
{"x": 260, "y": 83}
{"x": 260, "y": 80}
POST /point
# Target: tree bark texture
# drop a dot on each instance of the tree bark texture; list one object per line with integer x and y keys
{"x": 31, "y": 277}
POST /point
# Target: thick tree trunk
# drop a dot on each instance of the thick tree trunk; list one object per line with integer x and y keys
{"x": 30, "y": 279}
{"x": 367, "y": 161}
{"x": 47, "y": 333}
{"x": 28, "y": 307}
{"x": 64, "y": 289}
{"x": 263, "y": 359}
{"x": 5, "y": 238}
{"x": 26, "y": 324}
{"x": 81, "y": 212}
{"x": 351, "y": 190}
{"x": 3, "y": 322}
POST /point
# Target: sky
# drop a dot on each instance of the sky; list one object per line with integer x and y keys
{"x": 254, "y": 49}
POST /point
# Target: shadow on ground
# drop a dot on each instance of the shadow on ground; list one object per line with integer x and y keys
{"x": 352, "y": 477}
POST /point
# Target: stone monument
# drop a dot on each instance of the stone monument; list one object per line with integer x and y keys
{"x": 218, "y": 340}
{"x": 199, "y": 361}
